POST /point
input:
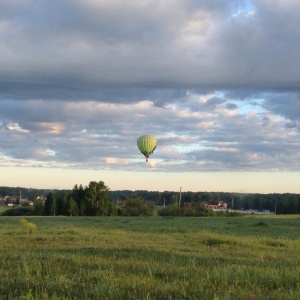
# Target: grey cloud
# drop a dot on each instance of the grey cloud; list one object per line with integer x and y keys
{"x": 89, "y": 92}
{"x": 219, "y": 87}
{"x": 284, "y": 104}
{"x": 187, "y": 44}
{"x": 213, "y": 102}
{"x": 231, "y": 106}
{"x": 291, "y": 124}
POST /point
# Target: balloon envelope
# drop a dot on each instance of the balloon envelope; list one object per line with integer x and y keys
{"x": 147, "y": 144}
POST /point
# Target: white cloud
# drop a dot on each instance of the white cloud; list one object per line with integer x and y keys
{"x": 45, "y": 152}
{"x": 15, "y": 127}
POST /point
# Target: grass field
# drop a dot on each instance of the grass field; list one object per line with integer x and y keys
{"x": 3, "y": 208}
{"x": 253, "y": 257}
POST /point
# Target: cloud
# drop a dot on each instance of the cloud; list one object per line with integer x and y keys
{"x": 199, "y": 136}
{"x": 217, "y": 82}
{"x": 285, "y": 104}
{"x": 81, "y": 47}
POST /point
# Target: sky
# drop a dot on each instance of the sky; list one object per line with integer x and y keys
{"x": 217, "y": 82}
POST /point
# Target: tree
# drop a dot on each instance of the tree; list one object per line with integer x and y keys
{"x": 62, "y": 204}
{"x": 48, "y": 204}
{"x": 79, "y": 198}
{"x": 292, "y": 204}
{"x": 97, "y": 199}
{"x": 51, "y": 204}
{"x": 72, "y": 209}
{"x": 39, "y": 208}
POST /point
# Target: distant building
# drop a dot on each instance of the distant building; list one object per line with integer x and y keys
{"x": 217, "y": 205}
{"x": 41, "y": 198}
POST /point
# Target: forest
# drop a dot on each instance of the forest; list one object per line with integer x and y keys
{"x": 98, "y": 199}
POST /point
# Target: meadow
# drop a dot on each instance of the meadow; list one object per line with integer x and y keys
{"x": 250, "y": 257}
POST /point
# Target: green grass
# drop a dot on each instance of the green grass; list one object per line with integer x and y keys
{"x": 3, "y": 208}
{"x": 253, "y": 257}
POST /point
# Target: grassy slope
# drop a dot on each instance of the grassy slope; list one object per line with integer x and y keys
{"x": 151, "y": 258}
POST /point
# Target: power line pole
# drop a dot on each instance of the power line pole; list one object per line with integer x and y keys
{"x": 179, "y": 203}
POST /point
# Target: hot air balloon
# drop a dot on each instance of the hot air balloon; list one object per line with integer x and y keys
{"x": 147, "y": 144}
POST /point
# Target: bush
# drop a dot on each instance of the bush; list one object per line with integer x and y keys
{"x": 137, "y": 207}
{"x": 25, "y": 224}
{"x": 193, "y": 210}
{"x": 35, "y": 210}
{"x": 20, "y": 211}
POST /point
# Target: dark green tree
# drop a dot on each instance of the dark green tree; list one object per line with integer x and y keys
{"x": 62, "y": 204}
{"x": 79, "y": 198}
{"x": 97, "y": 199}
{"x": 51, "y": 204}
{"x": 39, "y": 208}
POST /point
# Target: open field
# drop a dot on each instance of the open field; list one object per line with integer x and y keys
{"x": 251, "y": 257}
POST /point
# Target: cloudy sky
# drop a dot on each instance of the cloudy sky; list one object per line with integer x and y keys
{"x": 216, "y": 81}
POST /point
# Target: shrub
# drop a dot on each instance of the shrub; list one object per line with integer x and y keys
{"x": 137, "y": 207}
{"x": 171, "y": 210}
{"x": 20, "y": 211}
{"x": 25, "y": 224}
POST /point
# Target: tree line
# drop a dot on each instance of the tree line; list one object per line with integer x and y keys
{"x": 287, "y": 203}
{"x": 97, "y": 200}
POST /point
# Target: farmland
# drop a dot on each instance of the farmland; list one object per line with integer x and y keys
{"x": 251, "y": 257}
